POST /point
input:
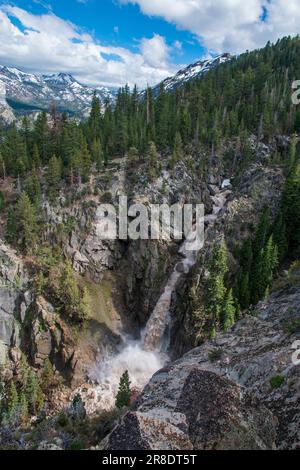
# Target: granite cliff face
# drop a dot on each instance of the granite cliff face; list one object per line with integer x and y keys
{"x": 260, "y": 188}
{"x": 191, "y": 409}
{"x": 14, "y": 299}
{"x": 240, "y": 391}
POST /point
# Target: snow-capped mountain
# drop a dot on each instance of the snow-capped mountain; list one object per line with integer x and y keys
{"x": 22, "y": 92}
{"x": 191, "y": 72}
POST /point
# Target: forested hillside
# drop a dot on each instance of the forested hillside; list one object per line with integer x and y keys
{"x": 237, "y": 124}
{"x": 214, "y": 116}
{"x": 249, "y": 94}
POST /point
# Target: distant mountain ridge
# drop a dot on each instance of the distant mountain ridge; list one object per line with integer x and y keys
{"x": 25, "y": 93}
{"x": 22, "y": 92}
{"x": 191, "y": 72}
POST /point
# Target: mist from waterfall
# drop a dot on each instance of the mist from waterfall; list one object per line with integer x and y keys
{"x": 146, "y": 356}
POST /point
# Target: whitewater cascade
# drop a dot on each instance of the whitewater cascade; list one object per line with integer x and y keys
{"x": 145, "y": 357}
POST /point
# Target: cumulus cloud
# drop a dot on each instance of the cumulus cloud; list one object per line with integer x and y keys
{"x": 228, "y": 25}
{"x": 46, "y": 43}
{"x": 155, "y": 51}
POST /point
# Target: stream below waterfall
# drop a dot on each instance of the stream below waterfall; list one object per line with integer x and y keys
{"x": 142, "y": 358}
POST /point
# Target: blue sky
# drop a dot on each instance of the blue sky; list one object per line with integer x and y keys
{"x": 111, "y": 42}
{"x": 118, "y": 24}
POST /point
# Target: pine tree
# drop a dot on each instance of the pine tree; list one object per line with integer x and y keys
{"x": 124, "y": 394}
{"x": 133, "y": 156}
{"x": 24, "y": 414}
{"x": 36, "y": 162}
{"x": 2, "y": 167}
{"x": 97, "y": 154}
{"x": 33, "y": 188}
{"x": 264, "y": 271}
{"x": 2, "y": 201}
{"x": 47, "y": 378}
{"x": 74, "y": 169}
{"x": 177, "y": 151}
{"x": 161, "y": 118}
{"x": 215, "y": 287}
{"x": 270, "y": 261}
{"x": 291, "y": 210}
{"x": 74, "y": 301}
{"x": 95, "y": 118}
{"x": 228, "y": 311}
{"x": 152, "y": 158}
{"x": 259, "y": 243}
{"x": 53, "y": 177}
{"x": 85, "y": 162}
{"x": 280, "y": 236}
{"x": 2, "y": 395}
{"x": 261, "y": 233}
{"x": 185, "y": 125}
{"x": 26, "y": 223}
{"x": 24, "y": 370}
{"x": 244, "y": 291}
{"x": 11, "y": 226}
{"x": 13, "y": 400}
{"x": 292, "y": 154}
{"x": 33, "y": 392}
{"x": 246, "y": 257}
{"x": 41, "y": 132}
{"x": 244, "y": 286}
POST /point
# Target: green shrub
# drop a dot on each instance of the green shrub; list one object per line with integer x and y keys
{"x": 62, "y": 420}
{"x": 76, "y": 444}
{"x": 215, "y": 355}
{"x": 105, "y": 423}
{"x": 276, "y": 381}
{"x": 106, "y": 198}
{"x": 2, "y": 202}
{"x": 291, "y": 326}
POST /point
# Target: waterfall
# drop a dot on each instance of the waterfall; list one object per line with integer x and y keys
{"x": 145, "y": 357}
{"x": 156, "y": 328}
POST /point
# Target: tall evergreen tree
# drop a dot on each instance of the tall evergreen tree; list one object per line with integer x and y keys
{"x": 291, "y": 210}
{"x": 95, "y": 118}
{"x": 228, "y": 311}
{"x": 152, "y": 158}
{"x": 13, "y": 400}
{"x": 26, "y": 224}
{"x": 215, "y": 287}
{"x": 53, "y": 177}
{"x": 74, "y": 301}
{"x": 124, "y": 394}
{"x": 177, "y": 151}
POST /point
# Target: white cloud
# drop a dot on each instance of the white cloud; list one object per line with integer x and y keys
{"x": 177, "y": 45}
{"x": 155, "y": 51}
{"x": 228, "y": 25}
{"x": 47, "y": 43}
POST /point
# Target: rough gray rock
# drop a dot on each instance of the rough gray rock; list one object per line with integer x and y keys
{"x": 260, "y": 188}
{"x": 185, "y": 408}
{"x": 259, "y": 349}
{"x": 13, "y": 302}
{"x": 45, "y": 335}
{"x": 217, "y": 395}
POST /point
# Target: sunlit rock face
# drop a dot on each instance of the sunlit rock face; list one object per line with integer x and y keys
{"x": 222, "y": 394}
{"x": 186, "y": 408}
{"x": 13, "y": 282}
